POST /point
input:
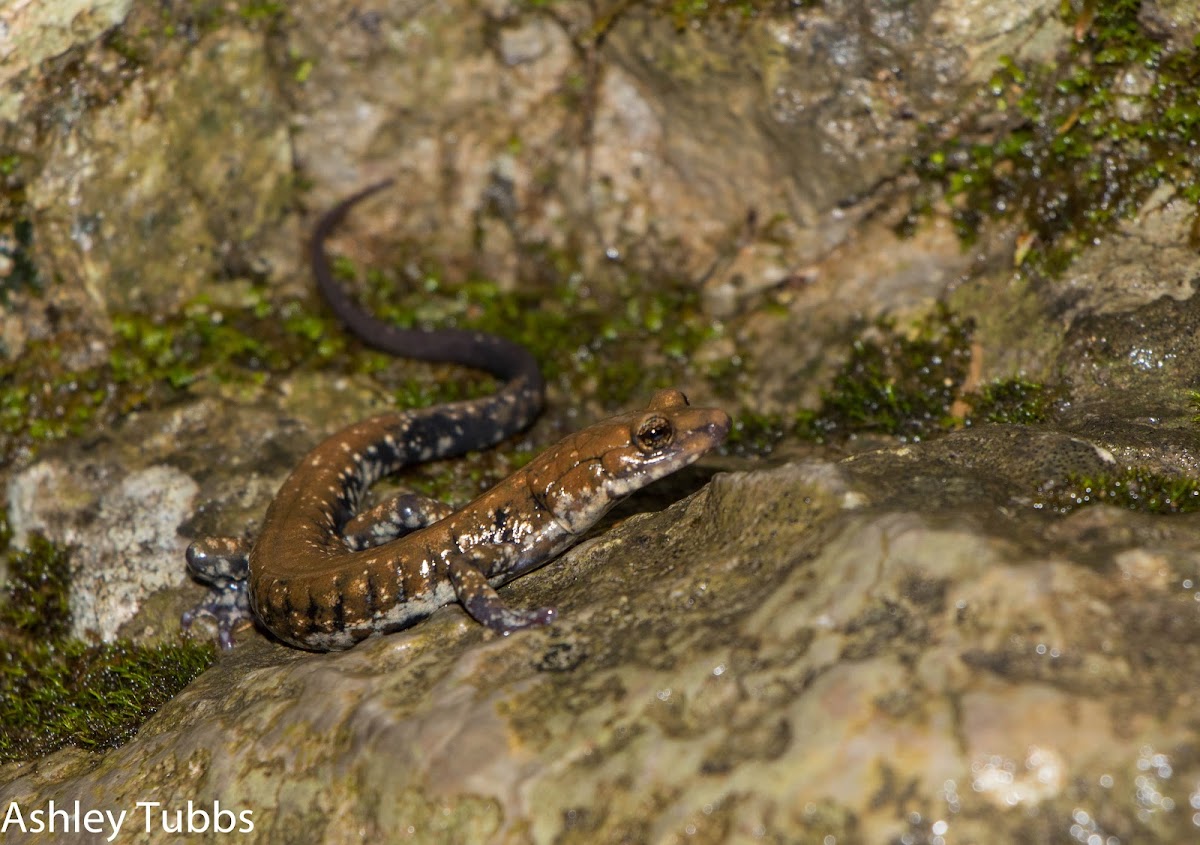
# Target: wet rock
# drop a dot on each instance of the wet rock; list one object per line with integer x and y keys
{"x": 137, "y": 185}
{"x": 741, "y": 159}
{"x": 120, "y": 520}
{"x": 788, "y": 650}
{"x": 1176, "y": 20}
{"x": 34, "y": 32}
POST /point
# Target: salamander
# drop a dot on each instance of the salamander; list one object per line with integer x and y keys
{"x": 323, "y": 576}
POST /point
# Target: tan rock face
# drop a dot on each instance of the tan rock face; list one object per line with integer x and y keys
{"x": 789, "y": 649}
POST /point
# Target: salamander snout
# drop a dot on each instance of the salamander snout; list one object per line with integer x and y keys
{"x": 589, "y": 472}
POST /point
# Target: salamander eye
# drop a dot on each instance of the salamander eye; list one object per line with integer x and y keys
{"x": 653, "y": 434}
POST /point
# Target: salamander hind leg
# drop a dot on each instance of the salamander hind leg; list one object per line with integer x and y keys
{"x": 392, "y": 519}
{"x": 485, "y": 606}
{"x": 223, "y": 564}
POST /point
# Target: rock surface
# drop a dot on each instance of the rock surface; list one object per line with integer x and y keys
{"x": 790, "y": 653}
{"x": 887, "y": 642}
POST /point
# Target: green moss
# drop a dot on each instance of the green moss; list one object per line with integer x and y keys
{"x": 611, "y": 350}
{"x": 55, "y": 690}
{"x": 1135, "y": 488}
{"x": 1071, "y": 148}
{"x": 904, "y": 384}
{"x": 260, "y": 10}
{"x": 754, "y": 433}
{"x": 69, "y": 692}
{"x": 37, "y": 592}
{"x": 1014, "y": 401}
{"x": 685, "y": 12}
{"x": 612, "y": 347}
{"x": 153, "y": 362}
{"x": 302, "y": 69}
{"x": 895, "y": 383}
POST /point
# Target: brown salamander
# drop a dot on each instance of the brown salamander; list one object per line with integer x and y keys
{"x": 322, "y": 576}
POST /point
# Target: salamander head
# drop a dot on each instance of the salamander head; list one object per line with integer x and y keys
{"x": 583, "y": 476}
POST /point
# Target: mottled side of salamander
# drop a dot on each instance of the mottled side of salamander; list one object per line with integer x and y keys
{"x": 323, "y": 576}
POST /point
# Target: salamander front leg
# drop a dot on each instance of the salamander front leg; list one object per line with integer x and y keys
{"x": 393, "y": 519}
{"x": 486, "y": 607}
{"x": 223, "y": 564}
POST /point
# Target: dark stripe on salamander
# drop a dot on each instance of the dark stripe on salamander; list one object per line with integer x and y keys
{"x": 370, "y": 596}
{"x": 312, "y": 612}
{"x": 339, "y": 603}
{"x": 285, "y": 600}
